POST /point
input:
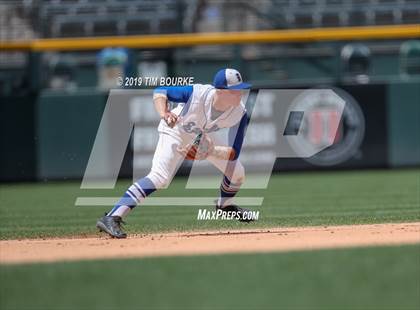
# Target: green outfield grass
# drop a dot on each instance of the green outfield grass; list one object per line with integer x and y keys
{"x": 364, "y": 278}
{"x": 321, "y": 198}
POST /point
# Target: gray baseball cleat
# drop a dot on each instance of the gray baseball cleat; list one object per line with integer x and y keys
{"x": 112, "y": 226}
{"x": 237, "y": 209}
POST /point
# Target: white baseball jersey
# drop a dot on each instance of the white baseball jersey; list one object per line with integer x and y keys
{"x": 194, "y": 109}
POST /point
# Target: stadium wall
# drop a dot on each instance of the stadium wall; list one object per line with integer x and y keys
{"x": 54, "y": 137}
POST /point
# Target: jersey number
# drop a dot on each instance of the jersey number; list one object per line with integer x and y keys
{"x": 190, "y": 128}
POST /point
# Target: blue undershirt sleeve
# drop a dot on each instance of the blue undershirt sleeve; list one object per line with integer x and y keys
{"x": 175, "y": 93}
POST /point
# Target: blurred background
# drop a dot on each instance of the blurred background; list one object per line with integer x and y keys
{"x": 60, "y": 58}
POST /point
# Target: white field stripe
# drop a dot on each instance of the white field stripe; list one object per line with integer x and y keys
{"x": 168, "y": 201}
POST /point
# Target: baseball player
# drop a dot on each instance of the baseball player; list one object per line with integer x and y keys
{"x": 184, "y": 132}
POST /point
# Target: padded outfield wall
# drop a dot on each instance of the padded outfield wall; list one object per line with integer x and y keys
{"x": 51, "y": 137}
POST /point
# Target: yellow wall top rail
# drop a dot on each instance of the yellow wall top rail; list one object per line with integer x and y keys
{"x": 214, "y": 38}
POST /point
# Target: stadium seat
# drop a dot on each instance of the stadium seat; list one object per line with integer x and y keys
{"x": 410, "y": 16}
{"x": 138, "y": 27}
{"x": 72, "y": 29}
{"x": 105, "y": 27}
{"x": 384, "y": 17}
{"x": 330, "y": 19}
{"x": 167, "y": 26}
{"x": 303, "y": 20}
{"x": 357, "y": 18}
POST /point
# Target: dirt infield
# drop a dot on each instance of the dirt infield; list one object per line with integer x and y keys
{"x": 212, "y": 242}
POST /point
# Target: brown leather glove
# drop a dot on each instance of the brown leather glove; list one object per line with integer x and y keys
{"x": 199, "y": 149}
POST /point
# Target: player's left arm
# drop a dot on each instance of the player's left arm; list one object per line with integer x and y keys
{"x": 236, "y": 138}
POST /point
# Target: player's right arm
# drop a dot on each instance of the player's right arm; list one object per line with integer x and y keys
{"x": 162, "y": 95}
{"x": 161, "y": 106}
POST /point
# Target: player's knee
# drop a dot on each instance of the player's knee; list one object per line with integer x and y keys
{"x": 158, "y": 180}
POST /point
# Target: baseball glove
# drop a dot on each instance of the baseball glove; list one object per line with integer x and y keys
{"x": 199, "y": 149}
